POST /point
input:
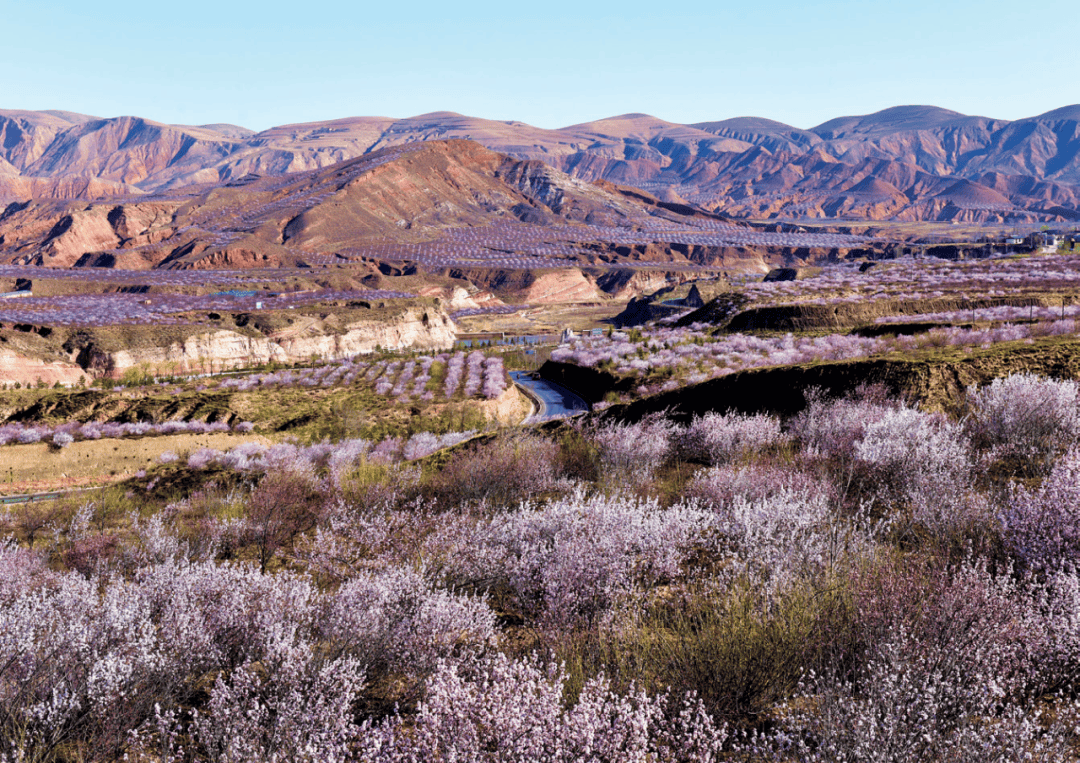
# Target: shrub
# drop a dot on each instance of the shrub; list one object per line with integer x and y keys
{"x": 741, "y": 649}
{"x": 788, "y": 534}
{"x": 378, "y": 486}
{"x": 1042, "y": 525}
{"x": 62, "y": 439}
{"x": 715, "y": 438}
{"x": 93, "y": 554}
{"x": 395, "y": 619}
{"x": 919, "y": 457}
{"x": 293, "y": 705}
{"x": 203, "y": 458}
{"x": 419, "y": 445}
{"x": 27, "y": 436}
{"x": 32, "y": 518}
{"x": 513, "y": 712}
{"x": 945, "y": 659}
{"x": 280, "y": 508}
{"x": 73, "y": 661}
{"x": 569, "y": 562}
{"x": 1025, "y": 417}
{"x": 901, "y": 710}
{"x": 831, "y": 428}
{"x": 508, "y": 468}
{"x": 387, "y": 451}
{"x": 631, "y": 453}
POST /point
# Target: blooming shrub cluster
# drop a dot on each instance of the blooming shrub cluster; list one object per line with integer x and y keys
{"x": 514, "y": 711}
{"x": 690, "y": 355}
{"x": 309, "y": 459}
{"x": 715, "y": 438}
{"x": 1042, "y": 525}
{"x": 879, "y": 582}
{"x": 109, "y": 657}
{"x": 631, "y": 453}
{"x": 573, "y": 559}
{"x": 63, "y": 435}
{"x": 1025, "y": 417}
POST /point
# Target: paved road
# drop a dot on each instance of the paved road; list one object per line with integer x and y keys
{"x": 53, "y": 495}
{"x": 555, "y": 399}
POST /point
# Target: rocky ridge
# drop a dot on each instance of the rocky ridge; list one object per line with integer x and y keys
{"x": 430, "y": 205}
{"x": 900, "y": 163}
{"x": 71, "y": 355}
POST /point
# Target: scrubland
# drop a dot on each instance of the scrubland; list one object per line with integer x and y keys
{"x": 862, "y": 581}
{"x": 864, "y": 577}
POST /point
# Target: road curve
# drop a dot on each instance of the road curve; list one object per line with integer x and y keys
{"x": 555, "y": 399}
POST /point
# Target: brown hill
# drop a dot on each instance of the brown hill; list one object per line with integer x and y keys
{"x": 892, "y": 120}
{"x": 432, "y": 204}
{"x": 745, "y": 167}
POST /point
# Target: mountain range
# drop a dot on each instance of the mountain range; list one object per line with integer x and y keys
{"x": 435, "y": 205}
{"x": 903, "y": 163}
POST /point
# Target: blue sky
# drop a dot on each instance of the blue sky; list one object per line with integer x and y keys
{"x": 550, "y": 64}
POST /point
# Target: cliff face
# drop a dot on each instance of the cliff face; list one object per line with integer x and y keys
{"x": 419, "y": 328}
{"x": 511, "y": 407}
{"x": 18, "y": 368}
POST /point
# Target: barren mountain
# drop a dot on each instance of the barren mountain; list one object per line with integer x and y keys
{"x": 431, "y": 204}
{"x": 744, "y": 167}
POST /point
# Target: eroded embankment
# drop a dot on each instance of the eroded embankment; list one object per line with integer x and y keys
{"x": 935, "y": 382}
{"x": 216, "y": 341}
{"x": 589, "y": 383}
{"x": 97, "y": 405}
{"x": 843, "y": 315}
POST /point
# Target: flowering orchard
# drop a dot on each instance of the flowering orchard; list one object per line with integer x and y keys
{"x": 65, "y": 434}
{"x": 666, "y": 358}
{"x": 864, "y": 581}
{"x": 402, "y": 379}
{"x": 336, "y": 457}
{"x": 164, "y": 309}
{"x": 926, "y": 278}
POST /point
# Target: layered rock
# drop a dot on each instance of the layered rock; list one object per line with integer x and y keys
{"x": 90, "y": 355}
{"x": 17, "y": 368}
{"x": 415, "y": 328}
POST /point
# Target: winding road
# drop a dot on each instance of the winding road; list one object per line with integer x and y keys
{"x": 555, "y": 399}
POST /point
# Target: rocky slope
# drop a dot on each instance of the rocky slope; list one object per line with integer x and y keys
{"x": 900, "y": 163}
{"x": 431, "y": 205}
{"x": 67, "y": 354}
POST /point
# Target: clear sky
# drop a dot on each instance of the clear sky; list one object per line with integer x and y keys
{"x": 550, "y": 64}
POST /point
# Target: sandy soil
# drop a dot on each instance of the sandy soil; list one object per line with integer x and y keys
{"x": 38, "y": 467}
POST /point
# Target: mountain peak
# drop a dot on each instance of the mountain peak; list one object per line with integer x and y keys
{"x": 1065, "y": 112}
{"x": 893, "y": 119}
